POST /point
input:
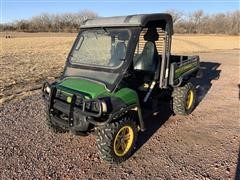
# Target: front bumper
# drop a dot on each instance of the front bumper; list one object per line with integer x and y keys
{"x": 69, "y": 115}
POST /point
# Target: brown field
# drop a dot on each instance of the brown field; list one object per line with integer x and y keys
{"x": 204, "y": 145}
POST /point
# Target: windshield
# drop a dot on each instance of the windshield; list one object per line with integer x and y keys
{"x": 100, "y": 54}
{"x": 104, "y": 47}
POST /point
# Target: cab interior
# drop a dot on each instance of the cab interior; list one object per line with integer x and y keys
{"x": 146, "y": 64}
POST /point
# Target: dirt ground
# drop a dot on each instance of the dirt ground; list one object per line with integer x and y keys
{"x": 203, "y": 145}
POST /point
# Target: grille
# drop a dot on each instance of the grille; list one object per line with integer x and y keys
{"x": 62, "y": 95}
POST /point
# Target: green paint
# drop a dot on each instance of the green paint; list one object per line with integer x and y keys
{"x": 185, "y": 68}
{"x": 127, "y": 95}
{"x": 86, "y": 87}
{"x": 95, "y": 90}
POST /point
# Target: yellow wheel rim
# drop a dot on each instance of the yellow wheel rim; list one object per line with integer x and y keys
{"x": 189, "y": 99}
{"x": 123, "y": 141}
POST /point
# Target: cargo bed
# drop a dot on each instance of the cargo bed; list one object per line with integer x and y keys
{"x": 182, "y": 67}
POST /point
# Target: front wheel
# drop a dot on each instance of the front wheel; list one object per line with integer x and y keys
{"x": 116, "y": 141}
{"x": 184, "y": 99}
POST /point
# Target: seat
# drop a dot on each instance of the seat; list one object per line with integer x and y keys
{"x": 147, "y": 60}
{"x": 118, "y": 54}
{"x": 146, "y": 64}
{"x": 120, "y": 50}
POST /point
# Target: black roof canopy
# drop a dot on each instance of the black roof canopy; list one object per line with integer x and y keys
{"x": 140, "y": 20}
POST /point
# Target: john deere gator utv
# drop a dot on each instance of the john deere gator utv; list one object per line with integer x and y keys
{"x": 115, "y": 70}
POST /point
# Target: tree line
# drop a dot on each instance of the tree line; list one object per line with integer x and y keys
{"x": 67, "y": 22}
{"x": 194, "y": 22}
{"x": 199, "y": 22}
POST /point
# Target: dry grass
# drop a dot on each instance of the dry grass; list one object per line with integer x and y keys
{"x": 26, "y": 62}
{"x": 204, "y": 43}
{"x": 28, "y": 59}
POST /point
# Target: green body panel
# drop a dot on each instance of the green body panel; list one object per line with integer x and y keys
{"x": 128, "y": 96}
{"x": 95, "y": 90}
{"x": 185, "y": 68}
{"x": 89, "y": 88}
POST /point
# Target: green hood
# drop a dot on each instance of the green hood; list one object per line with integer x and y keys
{"x": 87, "y": 87}
{"x": 94, "y": 90}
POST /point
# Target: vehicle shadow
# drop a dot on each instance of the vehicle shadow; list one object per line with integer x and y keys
{"x": 208, "y": 71}
{"x": 237, "y": 177}
{"x": 153, "y": 121}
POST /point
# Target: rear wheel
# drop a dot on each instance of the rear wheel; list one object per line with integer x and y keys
{"x": 116, "y": 140}
{"x": 184, "y": 99}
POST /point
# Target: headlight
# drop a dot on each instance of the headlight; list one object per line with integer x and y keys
{"x": 94, "y": 106}
{"x": 46, "y": 88}
{"x": 104, "y": 106}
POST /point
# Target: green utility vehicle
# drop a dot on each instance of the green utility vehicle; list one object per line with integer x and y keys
{"x": 116, "y": 70}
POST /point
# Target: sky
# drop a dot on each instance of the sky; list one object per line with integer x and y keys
{"x": 12, "y": 10}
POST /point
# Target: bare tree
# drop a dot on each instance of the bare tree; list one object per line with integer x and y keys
{"x": 67, "y": 22}
{"x": 176, "y": 15}
{"x": 196, "y": 18}
{"x": 234, "y": 23}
